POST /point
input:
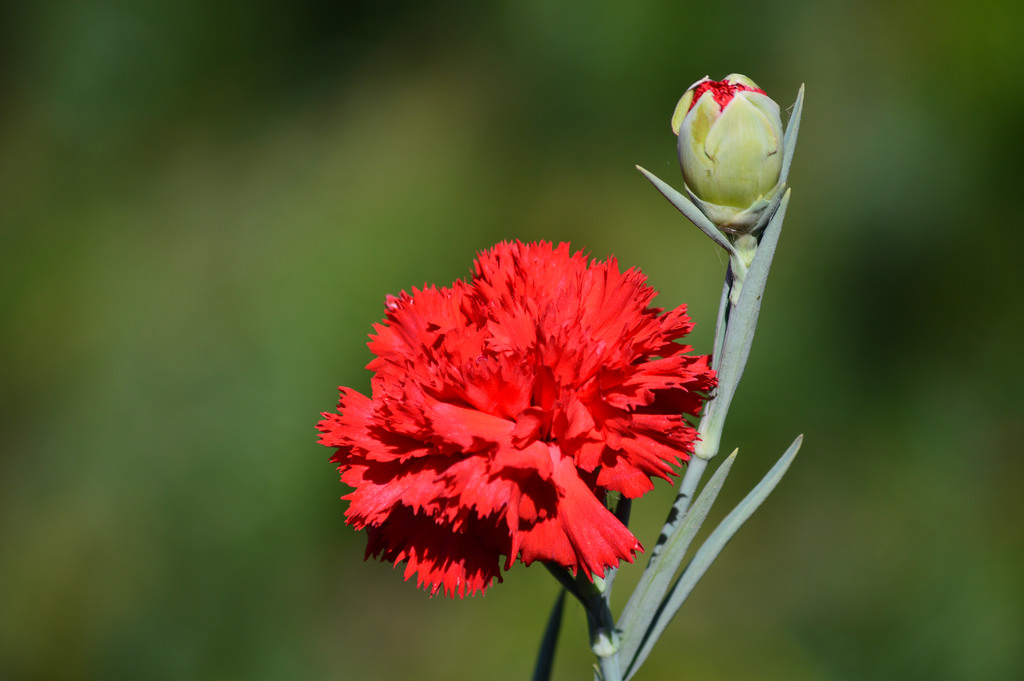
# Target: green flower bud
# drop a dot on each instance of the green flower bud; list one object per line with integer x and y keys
{"x": 730, "y": 150}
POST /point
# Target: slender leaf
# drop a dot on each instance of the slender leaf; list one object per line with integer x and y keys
{"x": 687, "y": 208}
{"x": 792, "y": 129}
{"x": 743, "y": 319}
{"x": 640, "y": 610}
{"x": 707, "y": 553}
{"x": 546, "y": 655}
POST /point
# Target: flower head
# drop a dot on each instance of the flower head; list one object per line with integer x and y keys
{"x": 504, "y": 409}
{"x": 730, "y": 149}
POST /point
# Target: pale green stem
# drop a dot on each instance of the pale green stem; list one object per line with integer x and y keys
{"x": 604, "y": 639}
{"x": 712, "y": 420}
{"x": 608, "y": 667}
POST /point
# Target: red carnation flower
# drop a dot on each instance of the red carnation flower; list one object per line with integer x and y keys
{"x": 503, "y": 411}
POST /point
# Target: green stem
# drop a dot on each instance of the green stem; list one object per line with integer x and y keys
{"x": 608, "y": 668}
{"x": 687, "y": 489}
{"x": 709, "y": 430}
{"x": 604, "y": 638}
{"x": 728, "y": 366}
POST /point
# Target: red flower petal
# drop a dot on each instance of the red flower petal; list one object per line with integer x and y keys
{"x": 503, "y": 411}
{"x": 723, "y": 91}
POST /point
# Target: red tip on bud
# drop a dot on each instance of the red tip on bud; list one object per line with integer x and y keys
{"x": 722, "y": 90}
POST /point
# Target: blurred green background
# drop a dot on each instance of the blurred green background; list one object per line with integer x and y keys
{"x": 203, "y": 205}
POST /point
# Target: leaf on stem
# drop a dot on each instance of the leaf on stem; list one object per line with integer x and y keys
{"x": 546, "y": 655}
{"x": 649, "y": 594}
{"x": 707, "y": 553}
{"x": 687, "y": 208}
{"x": 792, "y": 129}
{"x": 743, "y": 319}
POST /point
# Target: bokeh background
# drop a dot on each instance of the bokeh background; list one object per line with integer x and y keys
{"x": 203, "y": 205}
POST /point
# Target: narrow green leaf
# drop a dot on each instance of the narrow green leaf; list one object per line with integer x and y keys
{"x": 645, "y": 600}
{"x": 707, "y": 553}
{"x": 743, "y": 319}
{"x": 546, "y": 655}
{"x": 692, "y": 213}
{"x": 792, "y": 129}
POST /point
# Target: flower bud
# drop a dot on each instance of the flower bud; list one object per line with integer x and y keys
{"x": 730, "y": 149}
